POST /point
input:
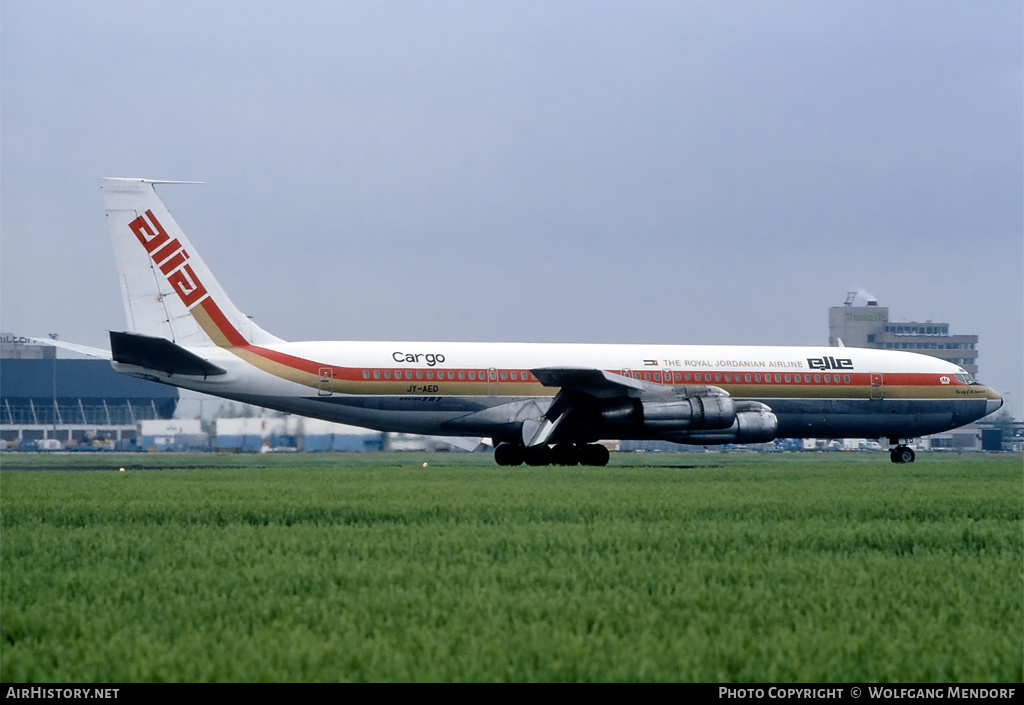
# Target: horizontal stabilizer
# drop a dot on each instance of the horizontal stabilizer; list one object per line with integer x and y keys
{"x": 74, "y": 347}
{"x": 159, "y": 354}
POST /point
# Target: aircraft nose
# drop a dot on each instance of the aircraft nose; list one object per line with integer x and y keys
{"x": 994, "y": 402}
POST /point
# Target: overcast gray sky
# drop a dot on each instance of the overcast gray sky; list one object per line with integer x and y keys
{"x": 676, "y": 172}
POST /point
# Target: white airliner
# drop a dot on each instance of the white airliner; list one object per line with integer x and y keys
{"x": 538, "y": 403}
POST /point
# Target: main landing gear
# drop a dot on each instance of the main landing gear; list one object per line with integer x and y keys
{"x": 901, "y": 453}
{"x": 568, "y": 454}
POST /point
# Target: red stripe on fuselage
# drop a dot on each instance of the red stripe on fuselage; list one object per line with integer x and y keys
{"x": 236, "y": 340}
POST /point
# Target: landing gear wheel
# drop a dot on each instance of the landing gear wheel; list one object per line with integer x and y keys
{"x": 508, "y": 454}
{"x": 538, "y": 455}
{"x": 902, "y": 454}
{"x": 567, "y": 454}
{"x": 594, "y": 454}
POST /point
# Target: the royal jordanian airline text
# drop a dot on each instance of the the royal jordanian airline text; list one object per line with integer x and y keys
{"x": 813, "y": 363}
{"x": 740, "y": 364}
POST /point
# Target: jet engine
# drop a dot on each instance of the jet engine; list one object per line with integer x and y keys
{"x": 706, "y": 418}
{"x": 755, "y": 423}
{"x": 674, "y": 414}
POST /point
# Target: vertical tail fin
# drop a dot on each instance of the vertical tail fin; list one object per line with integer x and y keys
{"x": 168, "y": 290}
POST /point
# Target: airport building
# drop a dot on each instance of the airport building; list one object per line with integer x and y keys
{"x": 869, "y": 326}
{"x": 49, "y": 403}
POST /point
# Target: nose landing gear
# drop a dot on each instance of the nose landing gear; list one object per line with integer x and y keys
{"x": 901, "y": 453}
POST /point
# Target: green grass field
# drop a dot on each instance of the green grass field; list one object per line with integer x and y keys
{"x": 660, "y": 567}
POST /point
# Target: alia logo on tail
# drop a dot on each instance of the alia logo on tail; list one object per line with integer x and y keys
{"x": 172, "y": 259}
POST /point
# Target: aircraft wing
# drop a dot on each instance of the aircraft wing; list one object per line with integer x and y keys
{"x": 577, "y": 384}
{"x": 581, "y": 388}
{"x": 602, "y": 384}
{"x": 597, "y": 383}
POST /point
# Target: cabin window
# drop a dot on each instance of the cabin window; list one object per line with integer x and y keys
{"x": 757, "y": 378}
{"x": 376, "y": 374}
{"x": 472, "y": 375}
{"x": 366, "y": 374}
{"x": 430, "y": 375}
{"x": 746, "y": 378}
{"x": 817, "y": 379}
{"x": 462, "y": 374}
{"x": 504, "y": 375}
{"x": 679, "y": 377}
{"x": 387, "y": 374}
{"x": 728, "y": 378}
{"x": 778, "y": 378}
{"x": 787, "y": 378}
{"x": 686, "y": 377}
{"x": 419, "y": 374}
{"x": 451, "y": 374}
{"x": 846, "y": 379}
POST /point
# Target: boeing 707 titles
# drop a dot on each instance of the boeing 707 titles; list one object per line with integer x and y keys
{"x": 537, "y": 403}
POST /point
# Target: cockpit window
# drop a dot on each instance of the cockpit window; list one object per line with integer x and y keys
{"x": 964, "y": 377}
